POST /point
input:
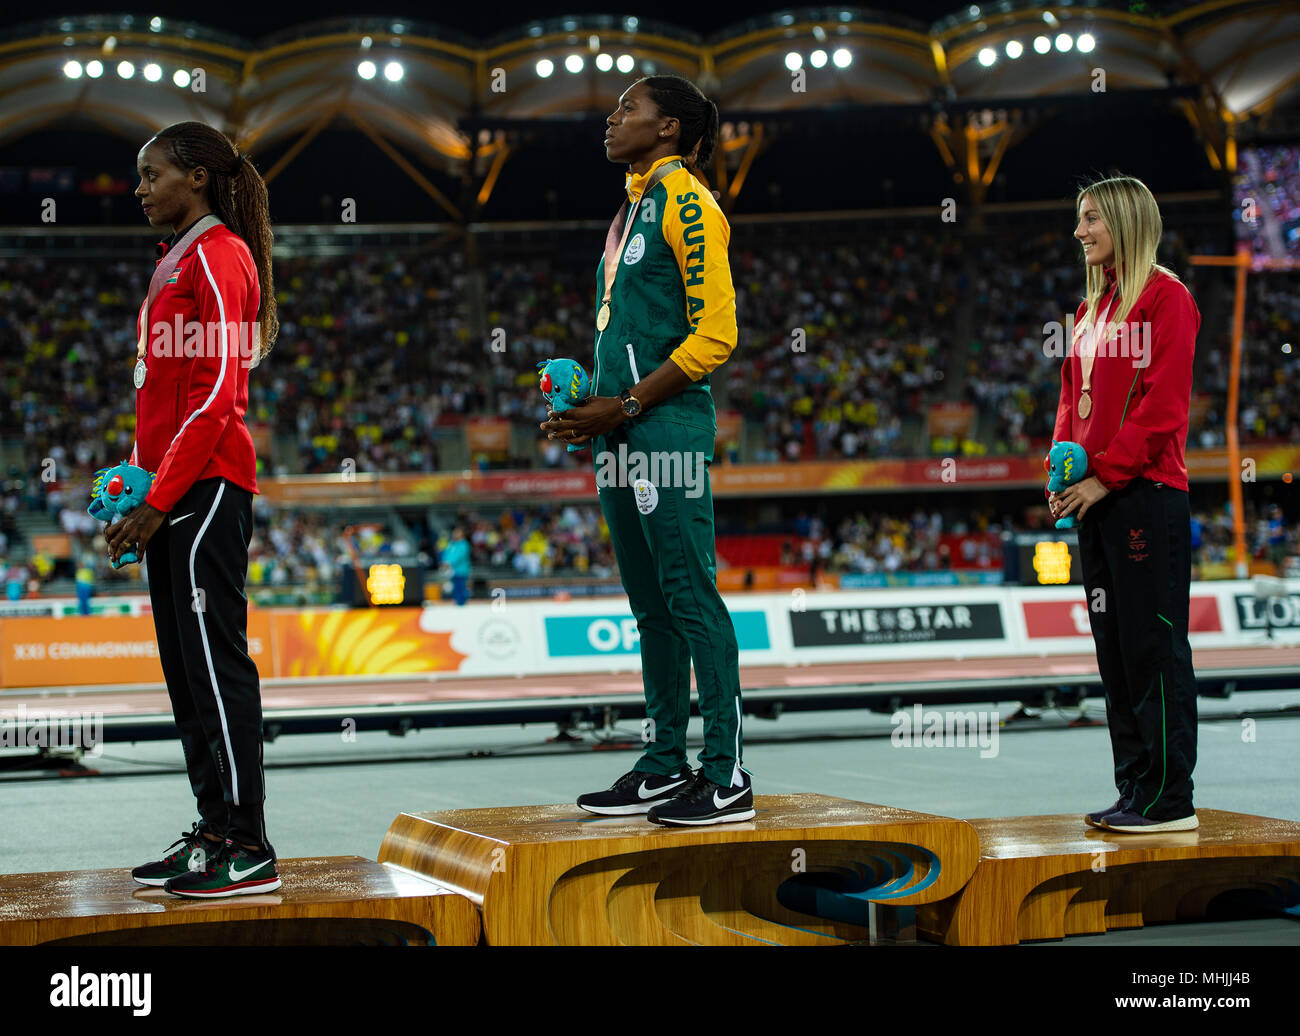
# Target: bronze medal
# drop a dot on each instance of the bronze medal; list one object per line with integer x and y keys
{"x": 1085, "y": 405}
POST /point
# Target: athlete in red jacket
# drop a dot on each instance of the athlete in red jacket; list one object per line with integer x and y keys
{"x": 1125, "y": 397}
{"x": 209, "y": 316}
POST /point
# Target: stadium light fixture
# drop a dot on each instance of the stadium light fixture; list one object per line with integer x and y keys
{"x": 125, "y": 69}
{"x": 366, "y": 70}
{"x": 794, "y": 61}
{"x": 152, "y": 72}
{"x": 1064, "y": 41}
{"x": 1042, "y": 44}
{"x": 72, "y": 69}
{"x": 393, "y": 71}
{"x": 545, "y": 67}
{"x": 1014, "y": 49}
{"x": 604, "y": 62}
{"x": 843, "y": 57}
{"x": 1086, "y": 43}
{"x": 574, "y": 63}
{"x": 94, "y": 69}
{"x": 626, "y": 63}
{"x": 181, "y": 78}
{"x": 366, "y": 42}
{"x": 987, "y": 56}
{"x": 155, "y": 23}
{"x": 818, "y": 59}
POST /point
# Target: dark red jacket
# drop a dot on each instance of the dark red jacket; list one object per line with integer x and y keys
{"x": 189, "y": 416}
{"x": 1138, "y": 424}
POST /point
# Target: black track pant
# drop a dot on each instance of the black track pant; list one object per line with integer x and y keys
{"x": 197, "y": 561}
{"x": 1135, "y": 550}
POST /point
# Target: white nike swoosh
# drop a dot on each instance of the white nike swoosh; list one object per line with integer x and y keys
{"x": 645, "y": 792}
{"x": 722, "y": 803}
{"x": 241, "y": 875}
{"x": 180, "y": 519}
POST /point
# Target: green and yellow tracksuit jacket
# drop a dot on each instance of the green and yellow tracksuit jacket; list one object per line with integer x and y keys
{"x": 672, "y": 298}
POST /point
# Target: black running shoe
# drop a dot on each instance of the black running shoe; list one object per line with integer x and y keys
{"x": 1094, "y": 819}
{"x": 704, "y": 802}
{"x": 180, "y": 859}
{"x": 232, "y": 871}
{"x": 634, "y": 792}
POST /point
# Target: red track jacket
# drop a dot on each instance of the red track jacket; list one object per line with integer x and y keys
{"x": 189, "y": 416}
{"x": 1144, "y": 436}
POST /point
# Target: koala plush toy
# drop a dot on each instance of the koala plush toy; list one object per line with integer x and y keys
{"x": 115, "y": 492}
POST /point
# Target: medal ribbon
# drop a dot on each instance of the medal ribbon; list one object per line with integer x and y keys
{"x": 1088, "y": 347}
{"x": 166, "y": 267}
{"x": 613, "y": 243}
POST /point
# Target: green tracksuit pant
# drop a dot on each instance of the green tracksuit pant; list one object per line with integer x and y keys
{"x": 653, "y": 483}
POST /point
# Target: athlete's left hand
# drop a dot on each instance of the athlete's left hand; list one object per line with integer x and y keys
{"x": 595, "y": 415}
{"x": 135, "y": 530}
{"x": 1081, "y": 495}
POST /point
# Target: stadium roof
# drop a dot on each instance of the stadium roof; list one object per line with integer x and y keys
{"x": 1233, "y": 59}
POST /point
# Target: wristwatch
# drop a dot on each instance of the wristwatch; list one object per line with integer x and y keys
{"x": 631, "y": 405}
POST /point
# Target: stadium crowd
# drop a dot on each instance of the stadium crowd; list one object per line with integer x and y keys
{"x": 843, "y": 348}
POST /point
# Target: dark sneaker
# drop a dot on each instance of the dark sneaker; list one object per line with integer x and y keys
{"x": 180, "y": 859}
{"x": 1094, "y": 819}
{"x": 231, "y": 871}
{"x": 704, "y": 802}
{"x": 634, "y": 792}
{"x": 1135, "y": 823}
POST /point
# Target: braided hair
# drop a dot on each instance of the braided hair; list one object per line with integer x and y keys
{"x": 698, "y": 116}
{"x": 238, "y": 198}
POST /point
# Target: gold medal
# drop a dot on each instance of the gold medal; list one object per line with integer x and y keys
{"x": 602, "y": 317}
{"x": 1085, "y": 405}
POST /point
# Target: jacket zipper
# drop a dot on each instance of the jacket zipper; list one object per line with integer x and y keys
{"x": 631, "y": 360}
{"x": 595, "y": 384}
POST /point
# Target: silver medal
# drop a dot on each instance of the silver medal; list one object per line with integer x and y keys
{"x": 140, "y": 371}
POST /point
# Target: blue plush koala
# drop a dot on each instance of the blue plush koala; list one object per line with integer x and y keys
{"x": 115, "y": 492}
{"x": 564, "y": 384}
{"x": 1067, "y": 463}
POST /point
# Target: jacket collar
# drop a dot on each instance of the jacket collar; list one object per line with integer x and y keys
{"x": 1109, "y": 271}
{"x": 165, "y": 246}
{"x": 635, "y": 182}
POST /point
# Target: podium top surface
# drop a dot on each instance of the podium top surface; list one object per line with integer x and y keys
{"x": 800, "y": 815}
{"x": 49, "y": 895}
{"x": 1220, "y": 833}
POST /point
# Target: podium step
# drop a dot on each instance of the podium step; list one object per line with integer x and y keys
{"x": 547, "y": 875}
{"x": 1052, "y": 876}
{"x": 335, "y": 900}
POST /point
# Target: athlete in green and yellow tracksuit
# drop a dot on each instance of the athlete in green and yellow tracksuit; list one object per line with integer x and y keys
{"x": 670, "y": 322}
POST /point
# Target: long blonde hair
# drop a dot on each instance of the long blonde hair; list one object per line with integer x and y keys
{"x": 1132, "y": 218}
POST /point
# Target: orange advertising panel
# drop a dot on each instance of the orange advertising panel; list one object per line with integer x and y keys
{"x": 487, "y": 435}
{"x": 334, "y": 642}
{"x": 98, "y": 649}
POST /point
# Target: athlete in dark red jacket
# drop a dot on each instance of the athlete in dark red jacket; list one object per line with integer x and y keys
{"x": 208, "y": 317}
{"x": 1125, "y": 397}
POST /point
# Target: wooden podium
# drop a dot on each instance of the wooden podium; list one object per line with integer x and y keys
{"x": 337, "y": 900}
{"x": 1049, "y": 877}
{"x": 547, "y": 875}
